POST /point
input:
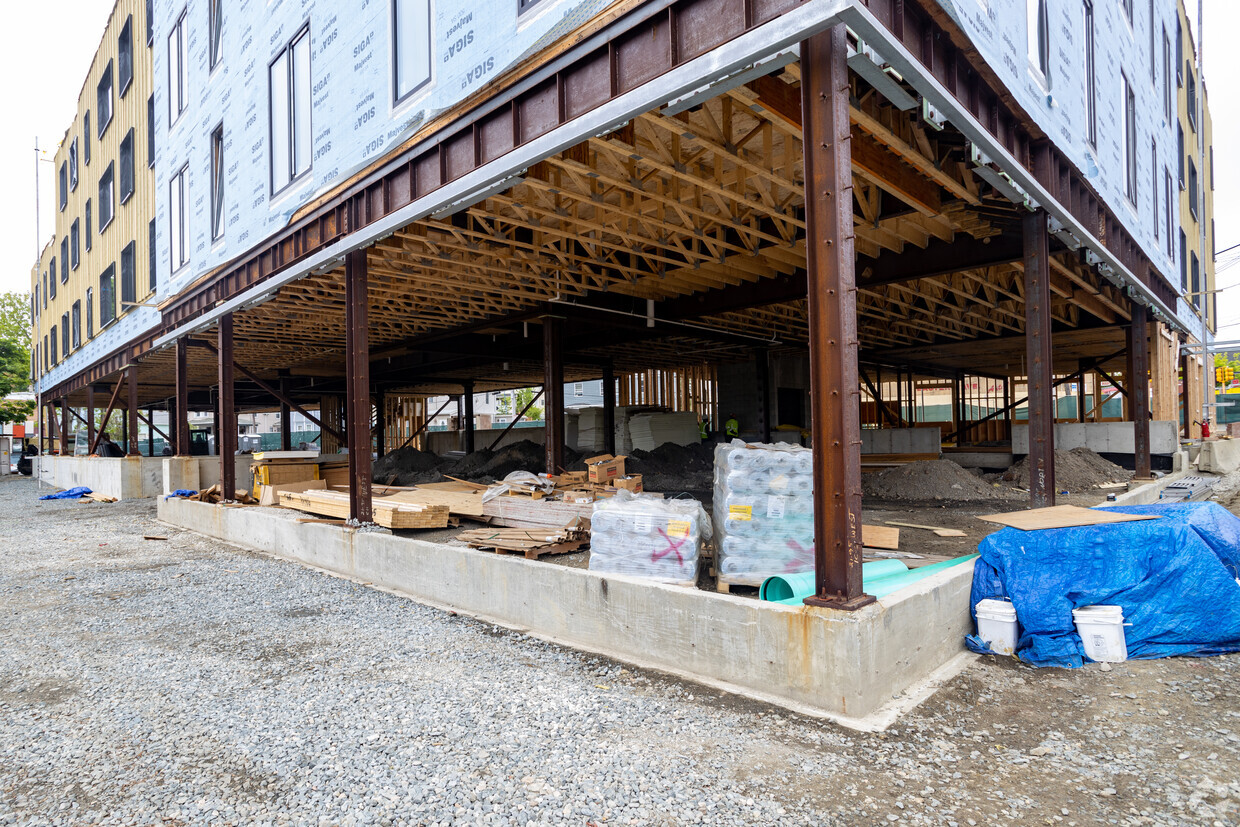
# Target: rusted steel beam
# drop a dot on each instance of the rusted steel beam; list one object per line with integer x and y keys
{"x": 1137, "y": 377}
{"x": 181, "y": 414}
{"x": 90, "y": 414}
{"x": 468, "y": 418}
{"x": 515, "y": 419}
{"x": 226, "y": 432}
{"x": 286, "y": 419}
{"x": 553, "y": 384}
{"x": 609, "y": 408}
{"x": 1038, "y": 358}
{"x": 834, "y": 387}
{"x": 131, "y": 411}
{"x": 357, "y": 382}
{"x": 64, "y": 427}
{"x": 107, "y": 414}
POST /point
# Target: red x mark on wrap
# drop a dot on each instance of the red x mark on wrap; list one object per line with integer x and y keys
{"x": 673, "y": 547}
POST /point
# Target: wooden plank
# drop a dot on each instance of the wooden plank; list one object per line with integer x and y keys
{"x": 877, "y": 536}
{"x": 388, "y": 513}
{"x": 942, "y": 532}
{"x": 1061, "y": 516}
{"x": 525, "y": 513}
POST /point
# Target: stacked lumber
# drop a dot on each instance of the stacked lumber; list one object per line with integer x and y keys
{"x": 389, "y": 512}
{"x": 334, "y": 473}
{"x": 523, "y": 512}
{"x": 532, "y": 543}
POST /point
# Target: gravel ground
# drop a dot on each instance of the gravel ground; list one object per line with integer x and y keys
{"x": 188, "y": 682}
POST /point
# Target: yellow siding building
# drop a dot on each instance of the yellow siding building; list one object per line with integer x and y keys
{"x": 96, "y": 268}
{"x": 1196, "y": 179}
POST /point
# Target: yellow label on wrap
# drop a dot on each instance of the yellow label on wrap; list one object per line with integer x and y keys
{"x": 740, "y": 512}
{"x": 677, "y": 528}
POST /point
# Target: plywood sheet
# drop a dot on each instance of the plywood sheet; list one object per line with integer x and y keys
{"x": 880, "y": 536}
{"x": 1061, "y": 516}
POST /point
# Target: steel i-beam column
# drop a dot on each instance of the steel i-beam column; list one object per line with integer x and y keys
{"x": 226, "y": 433}
{"x": 609, "y": 408}
{"x": 834, "y": 382}
{"x": 468, "y": 423}
{"x": 1137, "y": 383}
{"x": 131, "y": 410}
{"x": 90, "y": 414}
{"x": 286, "y": 419}
{"x": 150, "y": 432}
{"x": 553, "y": 393}
{"x": 181, "y": 424}
{"x": 64, "y": 427}
{"x": 763, "y": 361}
{"x": 357, "y": 385}
{"x": 1038, "y": 358}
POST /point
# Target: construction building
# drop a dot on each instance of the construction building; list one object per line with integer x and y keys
{"x": 93, "y": 286}
{"x": 796, "y": 213}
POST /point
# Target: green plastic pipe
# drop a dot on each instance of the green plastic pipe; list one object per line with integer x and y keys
{"x": 886, "y": 584}
{"x": 785, "y": 586}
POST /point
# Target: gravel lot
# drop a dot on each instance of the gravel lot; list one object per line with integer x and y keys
{"x": 188, "y": 682}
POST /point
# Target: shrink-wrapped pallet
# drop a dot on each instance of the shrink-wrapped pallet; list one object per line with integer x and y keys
{"x": 764, "y": 511}
{"x": 645, "y": 536}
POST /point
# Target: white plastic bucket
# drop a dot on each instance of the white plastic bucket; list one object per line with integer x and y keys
{"x": 996, "y": 625}
{"x": 1102, "y": 632}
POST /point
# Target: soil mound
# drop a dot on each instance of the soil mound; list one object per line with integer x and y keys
{"x": 407, "y": 466}
{"x": 1075, "y": 471}
{"x": 939, "y": 479}
{"x": 673, "y": 468}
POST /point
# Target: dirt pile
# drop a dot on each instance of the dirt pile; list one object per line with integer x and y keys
{"x": 939, "y": 479}
{"x": 1076, "y": 471}
{"x": 408, "y": 466}
{"x": 487, "y": 466}
{"x": 673, "y": 468}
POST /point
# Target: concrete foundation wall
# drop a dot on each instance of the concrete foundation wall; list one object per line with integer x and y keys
{"x": 441, "y": 442}
{"x": 901, "y": 440}
{"x": 1103, "y": 437}
{"x": 847, "y": 665}
{"x": 125, "y": 478}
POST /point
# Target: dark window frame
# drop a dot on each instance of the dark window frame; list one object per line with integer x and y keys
{"x": 178, "y": 220}
{"x": 177, "y": 87}
{"x": 64, "y": 185}
{"x": 86, "y": 137}
{"x": 75, "y": 239}
{"x": 150, "y": 132}
{"x": 107, "y": 290}
{"x": 73, "y": 164}
{"x": 397, "y": 96}
{"x": 64, "y": 260}
{"x": 217, "y": 182}
{"x": 215, "y": 24}
{"x": 129, "y": 276}
{"x": 76, "y": 318}
{"x": 127, "y": 170}
{"x": 105, "y": 79}
{"x": 1130, "y": 140}
{"x": 525, "y": 5}
{"x": 290, "y": 116}
{"x": 90, "y": 313}
{"x": 124, "y": 58}
{"x": 89, "y": 234}
{"x": 108, "y": 177}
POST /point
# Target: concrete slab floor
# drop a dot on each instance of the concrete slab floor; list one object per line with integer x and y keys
{"x": 185, "y": 682}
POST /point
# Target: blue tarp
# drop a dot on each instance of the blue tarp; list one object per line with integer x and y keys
{"x": 71, "y": 494}
{"x": 181, "y": 493}
{"x": 1175, "y": 578}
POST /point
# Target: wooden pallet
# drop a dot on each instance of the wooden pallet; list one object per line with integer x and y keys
{"x": 387, "y": 513}
{"x": 522, "y": 512}
{"x": 531, "y": 543}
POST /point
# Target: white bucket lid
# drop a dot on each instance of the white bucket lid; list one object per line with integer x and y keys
{"x": 1099, "y": 614}
{"x": 996, "y": 609}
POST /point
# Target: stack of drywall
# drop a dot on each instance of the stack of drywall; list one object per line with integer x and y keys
{"x": 590, "y": 434}
{"x": 764, "y": 511}
{"x": 645, "y": 536}
{"x": 649, "y": 431}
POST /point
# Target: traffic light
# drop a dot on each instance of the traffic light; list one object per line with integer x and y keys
{"x": 1231, "y": 375}
{"x": 1220, "y": 375}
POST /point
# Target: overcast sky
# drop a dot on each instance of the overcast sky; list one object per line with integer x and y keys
{"x": 45, "y": 78}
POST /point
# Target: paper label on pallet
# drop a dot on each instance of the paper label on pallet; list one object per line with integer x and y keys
{"x": 740, "y": 512}
{"x": 677, "y": 528}
{"x": 775, "y": 508}
{"x": 642, "y": 523}
{"x": 779, "y": 483}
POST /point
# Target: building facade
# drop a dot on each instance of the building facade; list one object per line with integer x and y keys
{"x": 93, "y": 286}
{"x": 1194, "y": 179}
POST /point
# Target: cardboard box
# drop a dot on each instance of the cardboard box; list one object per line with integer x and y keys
{"x": 604, "y": 468}
{"x": 630, "y": 483}
{"x": 570, "y": 478}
